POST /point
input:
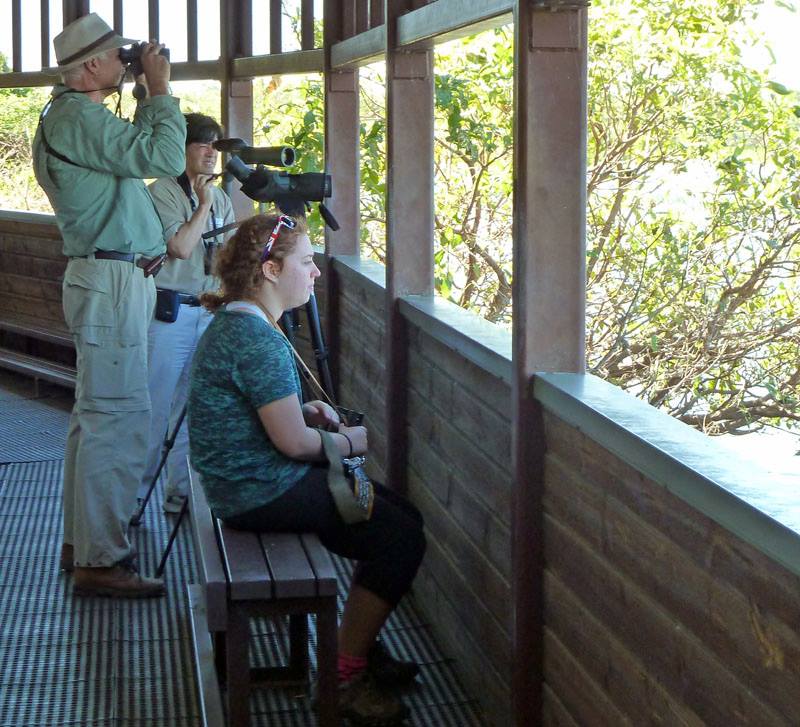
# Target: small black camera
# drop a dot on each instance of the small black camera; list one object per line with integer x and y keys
{"x": 133, "y": 57}
{"x": 350, "y": 417}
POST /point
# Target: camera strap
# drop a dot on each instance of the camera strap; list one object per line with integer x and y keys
{"x": 49, "y": 149}
{"x": 46, "y": 144}
{"x": 306, "y": 371}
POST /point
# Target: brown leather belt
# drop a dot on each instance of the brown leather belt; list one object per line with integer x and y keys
{"x": 150, "y": 266}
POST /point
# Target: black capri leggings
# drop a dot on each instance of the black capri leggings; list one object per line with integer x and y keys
{"x": 388, "y": 547}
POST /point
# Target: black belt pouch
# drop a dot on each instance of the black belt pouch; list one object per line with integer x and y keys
{"x": 168, "y": 305}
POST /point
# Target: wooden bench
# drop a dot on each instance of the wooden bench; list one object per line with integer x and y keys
{"x": 246, "y": 575}
{"x": 36, "y": 364}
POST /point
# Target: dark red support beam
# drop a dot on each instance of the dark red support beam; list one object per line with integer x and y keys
{"x": 191, "y": 30}
{"x": 16, "y": 35}
{"x": 118, "y": 17}
{"x": 362, "y": 15}
{"x": 375, "y": 13}
{"x": 342, "y": 163}
{"x": 307, "y": 24}
{"x": 236, "y": 41}
{"x": 44, "y": 14}
{"x": 153, "y": 25}
{"x": 74, "y": 9}
{"x": 409, "y": 220}
{"x": 347, "y": 18}
{"x": 549, "y": 290}
{"x": 275, "y": 27}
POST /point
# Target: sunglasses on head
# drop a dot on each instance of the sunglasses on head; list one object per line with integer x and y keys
{"x": 283, "y": 221}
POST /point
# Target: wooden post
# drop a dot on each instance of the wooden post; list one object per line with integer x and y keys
{"x": 307, "y": 25}
{"x": 236, "y": 27}
{"x": 409, "y": 219}
{"x": 73, "y": 9}
{"x": 44, "y": 14}
{"x": 16, "y": 35}
{"x": 362, "y": 15}
{"x": 549, "y": 288}
{"x": 342, "y": 163}
{"x": 191, "y": 30}
{"x": 153, "y": 27}
{"x": 275, "y": 27}
{"x": 375, "y": 13}
{"x": 117, "y": 13}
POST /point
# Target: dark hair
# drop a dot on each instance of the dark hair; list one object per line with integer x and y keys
{"x": 238, "y": 263}
{"x": 201, "y": 129}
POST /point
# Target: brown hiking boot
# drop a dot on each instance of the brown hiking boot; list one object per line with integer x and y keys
{"x": 363, "y": 703}
{"x": 67, "y": 561}
{"x": 118, "y": 581}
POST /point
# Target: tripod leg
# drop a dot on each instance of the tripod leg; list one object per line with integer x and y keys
{"x": 168, "y": 444}
{"x": 173, "y": 534}
{"x": 318, "y": 343}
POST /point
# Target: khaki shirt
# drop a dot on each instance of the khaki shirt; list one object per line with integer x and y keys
{"x": 100, "y": 200}
{"x": 175, "y": 209}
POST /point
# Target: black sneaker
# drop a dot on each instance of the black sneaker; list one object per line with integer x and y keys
{"x": 363, "y": 703}
{"x": 387, "y": 671}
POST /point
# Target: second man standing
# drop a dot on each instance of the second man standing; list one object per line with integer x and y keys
{"x": 189, "y": 206}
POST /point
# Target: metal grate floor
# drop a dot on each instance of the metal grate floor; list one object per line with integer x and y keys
{"x": 116, "y": 663}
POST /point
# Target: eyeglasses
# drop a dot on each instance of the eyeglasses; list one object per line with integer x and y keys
{"x": 283, "y": 221}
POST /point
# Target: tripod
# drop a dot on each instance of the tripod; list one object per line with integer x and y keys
{"x": 289, "y": 324}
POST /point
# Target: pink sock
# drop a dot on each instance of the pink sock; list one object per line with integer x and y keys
{"x": 348, "y": 667}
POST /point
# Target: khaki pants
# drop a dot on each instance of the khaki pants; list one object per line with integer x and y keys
{"x": 107, "y": 305}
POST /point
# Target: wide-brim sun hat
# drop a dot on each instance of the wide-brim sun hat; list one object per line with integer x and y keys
{"x": 83, "y": 39}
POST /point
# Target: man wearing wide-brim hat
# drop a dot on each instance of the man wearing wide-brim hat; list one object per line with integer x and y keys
{"x": 91, "y": 164}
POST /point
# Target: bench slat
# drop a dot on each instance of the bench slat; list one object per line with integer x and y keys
{"x": 321, "y": 562}
{"x": 43, "y": 330}
{"x": 38, "y": 368}
{"x": 212, "y": 573}
{"x": 245, "y": 564}
{"x": 292, "y": 573}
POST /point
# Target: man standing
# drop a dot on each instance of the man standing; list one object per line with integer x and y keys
{"x": 91, "y": 165}
{"x": 189, "y": 206}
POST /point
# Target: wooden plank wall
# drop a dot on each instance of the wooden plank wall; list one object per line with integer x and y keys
{"x": 654, "y": 614}
{"x": 31, "y": 270}
{"x": 460, "y": 478}
{"x": 362, "y": 369}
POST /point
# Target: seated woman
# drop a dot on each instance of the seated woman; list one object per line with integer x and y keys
{"x": 257, "y": 449}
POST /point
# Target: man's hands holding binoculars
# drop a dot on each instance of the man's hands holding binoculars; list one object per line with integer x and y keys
{"x": 150, "y": 64}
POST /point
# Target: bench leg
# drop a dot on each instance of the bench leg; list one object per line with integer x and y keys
{"x": 237, "y": 662}
{"x": 327, "y": 687}
{"x": 298, "y": 646}
{"x": 218, "y": 639}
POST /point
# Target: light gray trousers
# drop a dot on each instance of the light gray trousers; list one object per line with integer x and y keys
{"x": 171, "y": 347}
{"x": 107, "y": 306}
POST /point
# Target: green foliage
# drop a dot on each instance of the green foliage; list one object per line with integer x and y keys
{"x": 693, "y": 256}
{"x": 19, "y": 114}
{"x": 289, "y": 110}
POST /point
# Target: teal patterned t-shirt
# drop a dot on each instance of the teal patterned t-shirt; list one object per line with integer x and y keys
{"x": 241, "y": 364}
